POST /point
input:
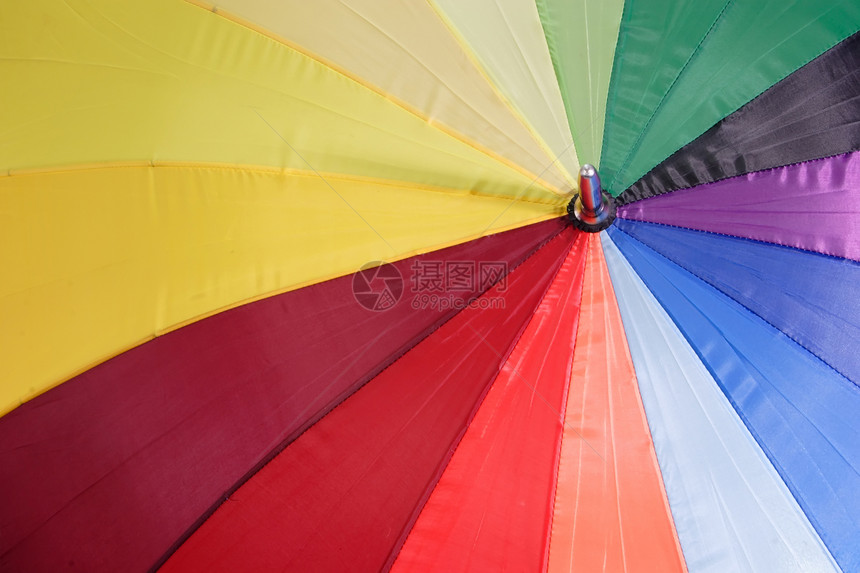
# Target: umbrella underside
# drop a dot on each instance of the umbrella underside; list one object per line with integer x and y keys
{"x": 292, "y": 287}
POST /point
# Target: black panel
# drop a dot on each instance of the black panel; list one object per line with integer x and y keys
{"x": 812, "y": 113}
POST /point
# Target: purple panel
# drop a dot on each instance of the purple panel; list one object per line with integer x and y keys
{"x": 813, "y": 206}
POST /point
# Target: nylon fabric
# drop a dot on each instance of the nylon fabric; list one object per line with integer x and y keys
{"x": 814, "y": 300}
{"x": 491, "y": 510}
{"x": 812, "y": 113}
{"x": 732, "y": 509}
{"x": 812, "y": 206}
{"x": 126, "y": 254}
{"x": 169, "y": 81}
{"x": 610, "y": 508}
{"x": 367, "y": 39}
{"x": 683, "y": 66}
{"x": 582, "y": 37}
{"x": 353, "y": 484}
{"x": 655, "y": 42}
{"x": 802, "y": 413}
{"x": 182, "y": 420}
{"x": 507, "y": 39}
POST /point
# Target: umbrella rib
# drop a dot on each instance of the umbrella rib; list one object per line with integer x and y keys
{"x": 529, "y": 186}
{"x": 317, "y": 173}
{"x": 696, "y": 51}
{"x": 449, "y": 131}
{"x": 517, "y": 197}
{"x": 538, "y": 394}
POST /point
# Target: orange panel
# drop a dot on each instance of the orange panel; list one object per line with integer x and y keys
{"x": 611, "y": 511}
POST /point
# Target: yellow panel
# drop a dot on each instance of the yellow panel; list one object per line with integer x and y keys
{"x": 95, "y": 261}
{"x": 404, "y": 49}
{"x": 163, "y": 80}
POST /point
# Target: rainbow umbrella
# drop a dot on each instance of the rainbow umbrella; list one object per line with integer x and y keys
{"x": 445, "y": 285}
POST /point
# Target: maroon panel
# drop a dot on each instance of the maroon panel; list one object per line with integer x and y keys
{"x": 345, "y": 494}
{"x": 111, "y": 469}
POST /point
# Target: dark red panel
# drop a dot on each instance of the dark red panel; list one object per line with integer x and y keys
{"x": 343, "y": 496}
{"x": 112, "y": 468}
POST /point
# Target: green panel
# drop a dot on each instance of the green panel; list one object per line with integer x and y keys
{"x": 581, "y": 36}
{"x": 683, "y": 65}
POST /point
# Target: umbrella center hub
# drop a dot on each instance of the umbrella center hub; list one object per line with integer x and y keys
{"x": 592, "y": 209}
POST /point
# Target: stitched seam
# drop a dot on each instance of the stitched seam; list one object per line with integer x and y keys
{"x": 761, "y": 241}
{"x": 727, "y": 177}
{"x": 757, "y": 96}
{"x": 377, "y": 91}
{"x": 850, "y": 382}
{"x": 696, "y": 51}
{"x": 612, "y": 94}
{"x": 780, "y": 469}
{"x": 277, "y": 450}
{"x": 288, "y": 171}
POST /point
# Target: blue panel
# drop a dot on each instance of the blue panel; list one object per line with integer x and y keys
{"x": 813, "y": 298}
{"x": 731, "y": 508}
{"x": 804, "y": 414}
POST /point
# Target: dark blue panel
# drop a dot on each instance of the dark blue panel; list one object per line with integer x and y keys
{"x": 813, "y": 298}
{"x": 804, "y": 414}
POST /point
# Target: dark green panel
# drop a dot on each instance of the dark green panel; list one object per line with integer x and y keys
{"x": 683, "y": 65}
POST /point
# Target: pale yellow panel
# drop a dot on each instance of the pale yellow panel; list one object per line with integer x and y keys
{"x": 95, "y": 261}
{"x": 508, "y": 38}
{"x": 94, "y": 81}
{"x": 404, "y": 49}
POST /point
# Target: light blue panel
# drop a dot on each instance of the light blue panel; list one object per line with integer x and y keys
{"x": 804, "y": 415}
{"x": 732, "y": 510}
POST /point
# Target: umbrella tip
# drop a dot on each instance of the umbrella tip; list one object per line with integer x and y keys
{"x": 592, "y": 209}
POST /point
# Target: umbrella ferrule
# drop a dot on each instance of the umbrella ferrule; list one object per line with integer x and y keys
{"x": 590, "y": 192}
{"x": 592, "y": 209}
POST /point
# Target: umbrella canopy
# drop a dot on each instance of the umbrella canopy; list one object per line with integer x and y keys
{"x": 325, "y": 286}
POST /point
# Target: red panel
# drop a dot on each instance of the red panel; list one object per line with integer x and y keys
{"x": 611, "y": 511}
{"x": 112, "y": 468}
{"x": 492, "y": 509}
{"x": 343, "y": 496}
